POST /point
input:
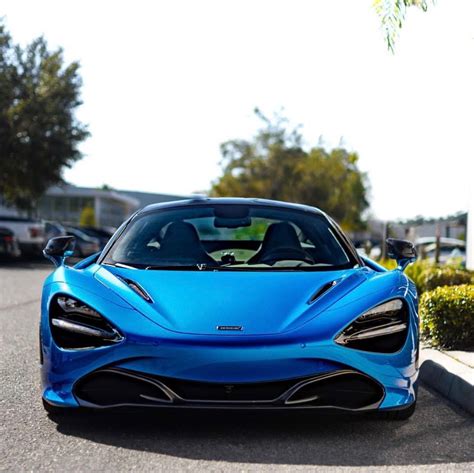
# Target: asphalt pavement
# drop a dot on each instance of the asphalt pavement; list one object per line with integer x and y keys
{"x": 439, "y": 437}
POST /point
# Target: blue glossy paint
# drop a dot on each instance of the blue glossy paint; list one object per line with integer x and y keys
{"x": 283, "y": 336}
{"x": 197, "y": 301}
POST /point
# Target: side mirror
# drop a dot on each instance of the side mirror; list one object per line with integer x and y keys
{"x": 403, "y": 251}
{"x": 59, "y": 248}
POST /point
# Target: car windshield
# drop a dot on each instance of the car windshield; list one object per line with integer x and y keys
{"x": 230, "y": 237}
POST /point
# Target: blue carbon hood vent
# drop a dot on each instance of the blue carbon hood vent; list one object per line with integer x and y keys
{"x": 137, "y": 288}
{"x": 322, "y": 290}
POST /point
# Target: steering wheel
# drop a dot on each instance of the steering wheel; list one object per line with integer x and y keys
{"x": 286, "y": 253}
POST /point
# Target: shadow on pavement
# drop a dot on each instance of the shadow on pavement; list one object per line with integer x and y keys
{"x": 437, "y": 433}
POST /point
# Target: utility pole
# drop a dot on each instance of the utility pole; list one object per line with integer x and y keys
{"x": 438, "y": 237}
{"x": 384, "y": 240}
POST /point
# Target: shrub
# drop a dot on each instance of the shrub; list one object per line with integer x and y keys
{"x": 434, "y": 277}
{"x": 416, "y": 270}
{"x": 447, "y": 316}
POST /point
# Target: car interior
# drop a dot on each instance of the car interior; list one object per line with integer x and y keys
{"x": 235, "y": 238}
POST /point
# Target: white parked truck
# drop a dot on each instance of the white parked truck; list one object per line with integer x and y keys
{"x": 28, "y": 232}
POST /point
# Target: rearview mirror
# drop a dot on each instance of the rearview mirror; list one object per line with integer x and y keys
{"x": 59, "y": 248}
{"x": 220, "y": 222}
{"x": 403, "y": 251}
{"x": 232, "y": 211}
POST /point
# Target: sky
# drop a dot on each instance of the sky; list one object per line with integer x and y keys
{"x": 165, "y": 82}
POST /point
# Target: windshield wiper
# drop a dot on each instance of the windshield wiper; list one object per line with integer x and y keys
{"x": 123, "y": 265}
{"x": 183, "y": 267}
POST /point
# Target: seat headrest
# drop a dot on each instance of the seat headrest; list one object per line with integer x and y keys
{"x": 180, "y": 233}
{"x": 181, "y": 243}
{"x": 280, "y": 235}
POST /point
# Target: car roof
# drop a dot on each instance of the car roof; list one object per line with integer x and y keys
{"x": 200, "y": 200}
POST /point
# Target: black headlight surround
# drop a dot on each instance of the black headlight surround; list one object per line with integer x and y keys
{"x": 382, "y": 332}
{"x": 79, "y": 326}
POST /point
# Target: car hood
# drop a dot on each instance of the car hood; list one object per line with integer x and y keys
{"x": 257, "y": 302}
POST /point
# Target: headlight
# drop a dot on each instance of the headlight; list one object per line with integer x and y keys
{"x": 381, "y": 329}
{"x": 70, "y": 305}
{"x": 76, "y": 325}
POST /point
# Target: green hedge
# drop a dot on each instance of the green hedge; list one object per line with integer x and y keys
{"x": 433, "y": 277}
{"x": 416, "y": 272}
{"x": 447, "y": 316}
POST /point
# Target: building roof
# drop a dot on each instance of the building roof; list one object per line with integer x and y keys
{"x": 147, "y": 198}
{"x": 73, "y": 191}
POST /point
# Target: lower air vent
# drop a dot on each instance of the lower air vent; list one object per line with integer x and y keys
{"x": 231, "y": 392}
{"x": 344, "y": 390}
{"x": 112, "y": 388}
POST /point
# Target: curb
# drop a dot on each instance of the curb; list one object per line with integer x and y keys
{"x": 454, "y": 380}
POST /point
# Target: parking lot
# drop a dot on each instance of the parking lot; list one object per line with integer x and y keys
{"x": 439, "y": 436}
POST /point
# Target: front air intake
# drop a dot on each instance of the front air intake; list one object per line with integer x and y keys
{"x": 107, "y": 388}
{"x": 343, "y": 390}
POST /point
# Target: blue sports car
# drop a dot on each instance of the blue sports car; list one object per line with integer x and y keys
{"x": 229, "y": 304}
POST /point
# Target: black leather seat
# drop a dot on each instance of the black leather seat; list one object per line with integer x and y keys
{"x": 279, "y": 236}
{"x": 181, "y": 244}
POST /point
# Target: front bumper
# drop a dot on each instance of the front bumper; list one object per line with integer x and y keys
{"x": 150, "y": 352}
{"x": 221, "y": 375}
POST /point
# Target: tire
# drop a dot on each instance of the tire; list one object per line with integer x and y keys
{"x": 401, "y": 414}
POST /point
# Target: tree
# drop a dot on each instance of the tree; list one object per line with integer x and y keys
{"x": 392, "y": 15}
{"x": 275, "y": 165}
{"x": 39, "y": 134}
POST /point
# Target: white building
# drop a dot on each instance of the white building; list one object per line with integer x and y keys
{"x": 66, "y": 204}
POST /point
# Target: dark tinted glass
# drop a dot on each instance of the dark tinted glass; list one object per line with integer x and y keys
{"x": 223, "y": 236}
